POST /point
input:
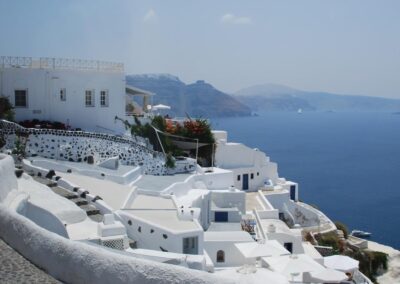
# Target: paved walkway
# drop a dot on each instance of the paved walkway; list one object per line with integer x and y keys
{"x": 252, "y": 201}
{"x": 14, "y": 268}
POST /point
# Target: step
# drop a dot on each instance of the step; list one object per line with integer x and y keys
{"x": 90, "y": 209}
{"x": 80, "y": 202}
{"x": 96, "y": 217}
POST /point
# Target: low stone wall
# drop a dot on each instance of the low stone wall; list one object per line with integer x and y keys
{"x": 77, "y": 146}
{"x": 75, "y": 262}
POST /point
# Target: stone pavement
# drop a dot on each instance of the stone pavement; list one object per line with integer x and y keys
{"x": 14, "y": 268}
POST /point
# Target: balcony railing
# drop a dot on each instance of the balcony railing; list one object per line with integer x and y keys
{"x": 60, "y": 63}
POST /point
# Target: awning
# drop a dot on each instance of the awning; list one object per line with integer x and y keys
{"x": 160, "y": 107}
{"x": 252, "y": 275}
{"x": 131, "y": 90}
{"x": 341, "y": 262}
{"x": 293, "y": 266}
{"x": 185, "y": 145}
{"x": 254, "y": 250}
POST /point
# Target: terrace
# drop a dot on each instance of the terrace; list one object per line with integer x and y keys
{"x": 60, "y": 64}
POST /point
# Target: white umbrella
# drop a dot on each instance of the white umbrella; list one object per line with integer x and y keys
{"x": 254, "y": 249}
{"x": 293, "y": 265}
{"x": 252, "y": 275}
{"x": 341, "y": 262}
{"x": 160, "y": 106}
{"x": 324, "y": 276}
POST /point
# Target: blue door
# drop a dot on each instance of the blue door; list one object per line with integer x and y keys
{"x": 245, "y": 185}
{"x": 221, "y": 216}
{"x": 293, "y": 192}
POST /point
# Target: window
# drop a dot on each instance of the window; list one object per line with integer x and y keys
{"x": 238, "y": 177}
{"x": 21, "y": 98}
{"x": 289, "y": 247}
{"x": 190, "y": 245}
{"x": 221, "y": 216}
{"x": 252, "y": 176}
{"x": 104, "y": 98}
{"x": 89, "y": 98}
{"x": 220, "y": 256}
{"x": 63, "y": 94}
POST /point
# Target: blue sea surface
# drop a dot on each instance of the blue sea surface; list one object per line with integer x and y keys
{"x": 348, "y": 164}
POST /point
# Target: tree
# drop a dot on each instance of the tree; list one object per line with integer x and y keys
{"x": 6, "y": 109}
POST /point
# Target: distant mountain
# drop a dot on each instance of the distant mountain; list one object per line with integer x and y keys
{"x": 199, "y": 99}
{"x": 272, "y": 97}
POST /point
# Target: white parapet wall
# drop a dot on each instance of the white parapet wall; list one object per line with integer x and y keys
{"x": 76, "y": 262}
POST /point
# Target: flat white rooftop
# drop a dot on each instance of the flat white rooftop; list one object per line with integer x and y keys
{"x": 167, "y": 219}
{"x": 151, "y": 202}
{"x": 112, "y": 193}
{"x": 159, "y": 183}
{"x": 227, "y": 236}
{"x": 279, "y": 225}
{"x": 117, "y": 175}
{"x": 218, "y": 227}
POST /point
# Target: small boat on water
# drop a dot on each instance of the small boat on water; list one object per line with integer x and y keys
{"x": 360, "y": 234}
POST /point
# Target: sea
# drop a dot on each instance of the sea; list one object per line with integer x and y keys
{"x": 347, "y": 164}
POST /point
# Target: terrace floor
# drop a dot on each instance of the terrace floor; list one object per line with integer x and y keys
{"x": 159, "y": 183}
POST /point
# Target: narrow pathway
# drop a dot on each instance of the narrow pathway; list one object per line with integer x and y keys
{"x": 14, "y": 268}
{"x": 252, "y": 201}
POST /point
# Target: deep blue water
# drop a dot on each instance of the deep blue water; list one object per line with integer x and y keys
{"x": 348, "y": 164}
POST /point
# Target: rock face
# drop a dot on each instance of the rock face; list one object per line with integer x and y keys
{"x": 272, "y": 97}
{"x": 198, "y": 100}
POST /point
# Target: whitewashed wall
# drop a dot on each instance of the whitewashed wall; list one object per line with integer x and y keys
{"x": 67, "y": 260}
{"x": 233, "y": 257}
{"x": 155, "y": 240}
{"x": 44, "y": 102}
{"x": 8, "y": 180}
{"x": 241, "y": 159}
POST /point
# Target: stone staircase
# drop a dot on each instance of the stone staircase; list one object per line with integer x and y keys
{"x": 91, "y": 211}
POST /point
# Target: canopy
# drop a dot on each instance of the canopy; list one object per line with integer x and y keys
{"x": 185, "y": 145}
{"x": 160, "y": 106}
{"x": 252, "y": 275}
{"x": 341, "y": 262}
{"x": 130, "y": 90}
{"x": 254, "y": 249}
{"x": 293, "y": 265}
{"x": 324, "y": 276}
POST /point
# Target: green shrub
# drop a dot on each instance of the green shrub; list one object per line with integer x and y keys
{"x": 6, "y": 109}
{"x": 343, "y": 228}
{"x": 371, "y": 262}
{"x": 169, "y": 161}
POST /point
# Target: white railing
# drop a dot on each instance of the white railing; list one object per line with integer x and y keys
{"x": 60, "y": 63}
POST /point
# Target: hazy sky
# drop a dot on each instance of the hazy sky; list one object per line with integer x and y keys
{"x": 343, "y": 46}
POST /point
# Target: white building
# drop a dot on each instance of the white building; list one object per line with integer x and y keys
{"x": 84, "y": 94}
{"x": 253, "y": 170}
